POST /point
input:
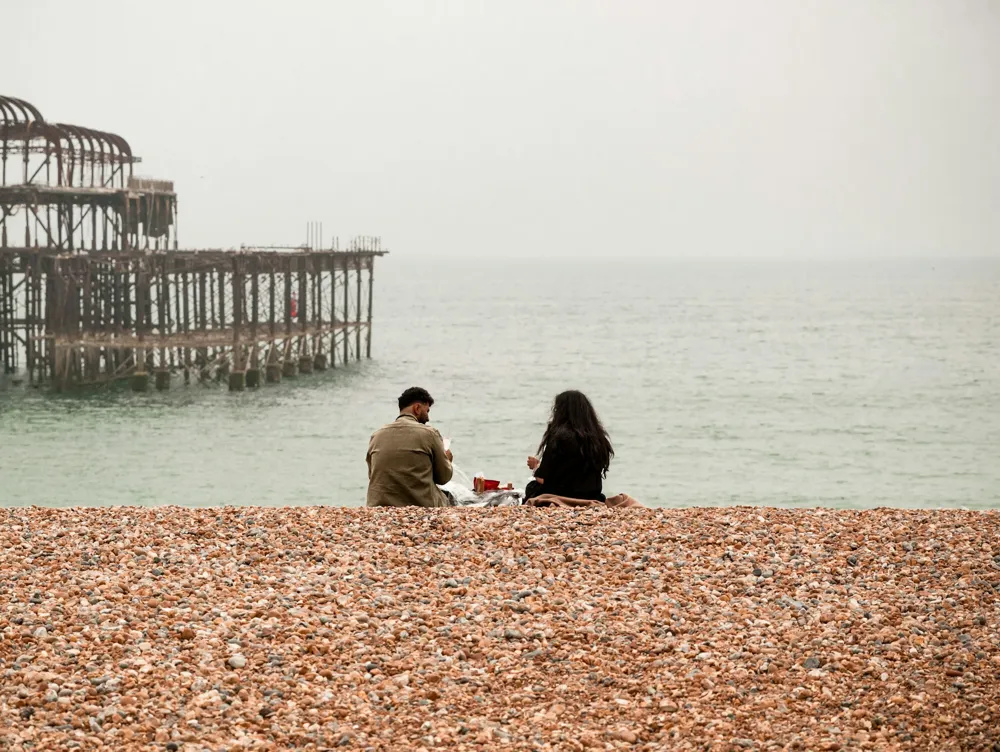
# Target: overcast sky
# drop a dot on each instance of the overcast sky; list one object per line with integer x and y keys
{"x": 544, "y": 127}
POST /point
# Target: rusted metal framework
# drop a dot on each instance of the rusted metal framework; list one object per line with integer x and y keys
{"x": 71, "y": 188}
{"x": 95, "y": 289}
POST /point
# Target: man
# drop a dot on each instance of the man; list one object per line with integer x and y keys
{"x": 407, "y": 459}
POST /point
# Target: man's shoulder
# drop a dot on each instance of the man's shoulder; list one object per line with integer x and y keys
{"x": 423, "y": 430}
{"x": 381, "y": 431}
{"x": 407, "y": 425}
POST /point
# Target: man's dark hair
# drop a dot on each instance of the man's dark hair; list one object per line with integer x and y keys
{"x": 414, "y": 395}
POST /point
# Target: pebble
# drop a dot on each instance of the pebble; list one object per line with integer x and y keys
{"x": 629, "y": 737}
{"x": 691, "y": 628}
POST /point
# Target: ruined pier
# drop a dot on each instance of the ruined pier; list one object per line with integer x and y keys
{"x": 94, "y": 288}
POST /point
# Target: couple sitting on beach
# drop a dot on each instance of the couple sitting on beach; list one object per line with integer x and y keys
{"x": 407, "y": 459}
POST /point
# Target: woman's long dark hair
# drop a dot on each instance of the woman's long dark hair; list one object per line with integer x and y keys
{"x": 574, "y": 421}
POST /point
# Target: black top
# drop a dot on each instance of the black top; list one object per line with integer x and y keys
{"x": 567, "y": 473}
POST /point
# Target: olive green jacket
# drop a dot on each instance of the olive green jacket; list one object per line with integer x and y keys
{"x": 406, "y": 463}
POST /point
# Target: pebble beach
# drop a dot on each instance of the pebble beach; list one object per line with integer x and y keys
{"x": 171, "y": 628}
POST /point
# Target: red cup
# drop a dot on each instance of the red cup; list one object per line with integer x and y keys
{"x": 491, "y": 485}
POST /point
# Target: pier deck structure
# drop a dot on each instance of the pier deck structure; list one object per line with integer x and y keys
{"x": 94, "y": 289}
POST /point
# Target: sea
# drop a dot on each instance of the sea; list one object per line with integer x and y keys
{"x": 831, "y": 383}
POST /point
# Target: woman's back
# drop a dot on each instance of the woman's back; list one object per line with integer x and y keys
{"x": 575, "y": 450}
{"x": 566, "y": 471}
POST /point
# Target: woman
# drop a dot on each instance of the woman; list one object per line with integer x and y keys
{"x": 575, "y": 452}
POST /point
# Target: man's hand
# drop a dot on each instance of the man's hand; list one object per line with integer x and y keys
{"x": 448, "y": 454}
{"x": 532, "y": 463}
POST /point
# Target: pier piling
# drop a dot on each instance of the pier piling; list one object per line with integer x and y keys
{"x": 162, "y": 379}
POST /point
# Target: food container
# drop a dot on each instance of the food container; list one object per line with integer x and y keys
{"x": 481, "y": 484}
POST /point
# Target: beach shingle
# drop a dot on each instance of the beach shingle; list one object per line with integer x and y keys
{"x": 469, "y": 628}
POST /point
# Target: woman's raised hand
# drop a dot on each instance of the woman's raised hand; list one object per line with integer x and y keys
{"x": 532, "y": 463}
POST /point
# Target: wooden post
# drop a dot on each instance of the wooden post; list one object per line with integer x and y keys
{"x": 255, "y": 313}
{"x": 237, "y": 315}
{"x": 108, "y": 288}
{"x": 29, "y": 315}
{"x": 272, "y": 301}
{"x": 304, "y": 307}
{"x": 56, "y": 308}
{"x": 306, "y": 313}
{"x": 140, "y": 379}
{"x": 357, "y": 311}
{"x": 88, "y": 319}
{"x": 118, "y": 316}
{"x": 371, "y": 286}
{"x": 179, "y": 292}
{"x": 346, "y": 313}
{"x": 163, "y": 309}
{"x": 321, "y": 262}
{"x": 202, "y": 319}
{"x": 211, "y": 300}
{"x": 45, "y": 324}
{"x": 38, "y": 321}
{"x": 237, "y": 376}
{"x": 333, "y": 311}
{"x": 6, "y": 324}
{"x": 289, "y": 368}
{"x": 185, "y": 321}
{"x": 222, "y": 297}
{"x": 141, "y": 300}
{"x": 319, "y": 338}
{"x": 288, "y": 297}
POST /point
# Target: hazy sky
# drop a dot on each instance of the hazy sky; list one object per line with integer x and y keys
{"x": 544, "y": 127}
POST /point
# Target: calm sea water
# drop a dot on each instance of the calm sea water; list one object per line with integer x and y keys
{"x": 847, "y": 384}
